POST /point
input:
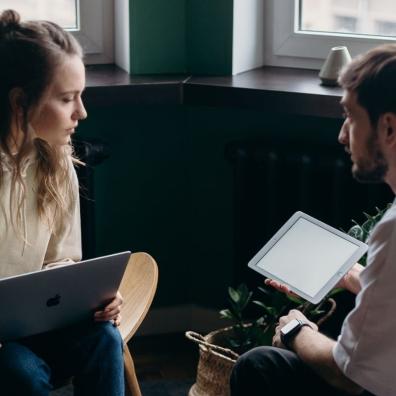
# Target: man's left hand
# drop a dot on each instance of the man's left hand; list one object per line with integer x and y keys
{"x": 284, "y": 320}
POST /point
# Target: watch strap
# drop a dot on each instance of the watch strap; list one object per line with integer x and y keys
{"x": 289, "y": 337}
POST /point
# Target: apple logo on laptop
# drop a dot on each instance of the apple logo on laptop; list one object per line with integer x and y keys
{"x": 53, "y": 301}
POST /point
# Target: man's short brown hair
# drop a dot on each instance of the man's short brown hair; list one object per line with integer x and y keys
{"x": 372, "y": 76}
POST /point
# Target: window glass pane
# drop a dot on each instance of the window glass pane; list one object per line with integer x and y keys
{"x": 366, "y": 17}
{"x": 63, "y": 12}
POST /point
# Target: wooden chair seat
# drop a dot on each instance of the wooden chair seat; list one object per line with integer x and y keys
{"x": 138, "y": 287}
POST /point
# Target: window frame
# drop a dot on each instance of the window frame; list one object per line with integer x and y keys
{"x": 96, "y": 30}
{"x": 289, "y": 42}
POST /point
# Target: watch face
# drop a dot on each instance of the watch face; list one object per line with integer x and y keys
{"x": 293, "y": 324}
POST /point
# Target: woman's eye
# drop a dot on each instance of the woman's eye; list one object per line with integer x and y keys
{"x": 67, "y": 100}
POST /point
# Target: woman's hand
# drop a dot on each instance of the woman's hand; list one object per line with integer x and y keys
{"x": 111, "y": 311}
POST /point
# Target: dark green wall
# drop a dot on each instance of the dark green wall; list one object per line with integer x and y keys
{"x": 209, "y": 36}
{"x": 158, "y": 36}
{"x": 181, "y": 36}
{"x": 167, "y": 188}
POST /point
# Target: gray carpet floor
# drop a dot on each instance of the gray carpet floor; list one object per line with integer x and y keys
{"x": 148, "y": 388}
{"x": 166, "y": 388}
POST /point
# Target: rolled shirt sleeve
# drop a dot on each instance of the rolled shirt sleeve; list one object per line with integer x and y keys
{"x": 366, "y": 348}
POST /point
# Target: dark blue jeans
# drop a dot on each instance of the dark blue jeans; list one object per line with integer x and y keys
{"x": 91, "y": 353}
{"x": 269, "y": 371}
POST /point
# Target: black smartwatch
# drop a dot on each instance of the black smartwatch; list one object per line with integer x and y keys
{"x": 289, "y": 331}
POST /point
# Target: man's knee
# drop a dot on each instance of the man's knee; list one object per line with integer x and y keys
{"x": 256, "y": 360}
{"x": 258, "y": 369}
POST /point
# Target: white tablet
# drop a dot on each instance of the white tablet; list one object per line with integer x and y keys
{"x": 308, "y": 256}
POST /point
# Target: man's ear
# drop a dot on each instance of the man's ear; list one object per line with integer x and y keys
{"x": 387, "y": 124}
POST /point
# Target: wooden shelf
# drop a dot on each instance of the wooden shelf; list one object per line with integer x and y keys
{"x": 271, "y": 89}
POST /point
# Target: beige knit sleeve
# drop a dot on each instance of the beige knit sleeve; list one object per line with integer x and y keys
{"x": 64, "y": 246}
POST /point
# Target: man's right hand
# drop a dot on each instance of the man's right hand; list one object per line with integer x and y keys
{"x": 350, "y": 281}
{"x": 279, "y": 286}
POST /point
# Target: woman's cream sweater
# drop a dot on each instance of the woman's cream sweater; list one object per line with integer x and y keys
{"x": 37, "y": 246}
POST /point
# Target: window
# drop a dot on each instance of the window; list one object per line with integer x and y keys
{"x": 91, "y": 21}
{"x": 345, "y": 24}
{"x": 358, "y": 17}
{"x": 63, "y": 12}
{"x": 386, "y": 28}
{"x": 309, "y": 28}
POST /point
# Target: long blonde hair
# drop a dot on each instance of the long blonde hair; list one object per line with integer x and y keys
{"x": 29, "y": 55}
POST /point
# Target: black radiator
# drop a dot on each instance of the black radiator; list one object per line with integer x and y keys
{"x": 271, "y": 182}
{"x": 92, "y": 152}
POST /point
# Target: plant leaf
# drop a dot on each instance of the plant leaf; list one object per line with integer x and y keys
{"x": 234, "y": 295}
{"x": 245, "y": 300}
{"x": 226, "y": 314}
{"x": 335, "y": 291}
{"x": 272, "y": 311}
{"x": 294, "y": 299}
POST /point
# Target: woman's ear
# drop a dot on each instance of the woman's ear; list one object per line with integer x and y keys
{"x": 17, "y": 100}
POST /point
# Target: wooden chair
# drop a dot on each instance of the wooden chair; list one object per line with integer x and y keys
{"x": 138, "y": 288}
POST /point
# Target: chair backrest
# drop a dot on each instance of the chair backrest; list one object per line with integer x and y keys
{"x": 138, "y": 287}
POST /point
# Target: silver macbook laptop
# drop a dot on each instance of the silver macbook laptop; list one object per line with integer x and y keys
{"x": 46, "y": 300}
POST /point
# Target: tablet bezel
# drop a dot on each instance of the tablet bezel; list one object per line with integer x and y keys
{"x": 360, "y": 251}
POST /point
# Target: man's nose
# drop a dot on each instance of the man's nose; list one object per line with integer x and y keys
{"x": 343, "y": 135}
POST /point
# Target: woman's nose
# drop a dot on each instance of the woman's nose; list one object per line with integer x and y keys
{"x": 80, "y": 113}
{"x": 83, "y": 112}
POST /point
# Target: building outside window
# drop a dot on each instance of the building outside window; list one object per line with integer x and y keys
{"x": 307, "y": 29}
{"x": 64, "y": 12}
{"x": 364, "y": 17}
{"x": 386, "y": 28}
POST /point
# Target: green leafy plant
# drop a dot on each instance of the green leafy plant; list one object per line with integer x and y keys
{"x": 363, "y": 231}
{"x": 247, "y": 332}
{"x": 255, "y": 318}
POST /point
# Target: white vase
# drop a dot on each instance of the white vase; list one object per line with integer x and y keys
{"x": 337, "y": 58}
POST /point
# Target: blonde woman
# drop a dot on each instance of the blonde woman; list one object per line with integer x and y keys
{"x": 42, "y": 79}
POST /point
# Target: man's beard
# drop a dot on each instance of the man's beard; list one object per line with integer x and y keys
{"x": 373, "y": 168}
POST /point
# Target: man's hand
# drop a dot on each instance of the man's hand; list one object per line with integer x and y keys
{"x": 111, "y": 311}
{"x": 279, "y": 286}
{"x": 284, "y": 320}
{"x": 315, "y": 350}
{"x": 351, "y": 280}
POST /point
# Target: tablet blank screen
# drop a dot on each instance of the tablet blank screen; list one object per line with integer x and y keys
{"x": 307, "y": 256}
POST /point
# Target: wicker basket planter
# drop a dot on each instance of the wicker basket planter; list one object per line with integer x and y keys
{"x": 215, "y": 363}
